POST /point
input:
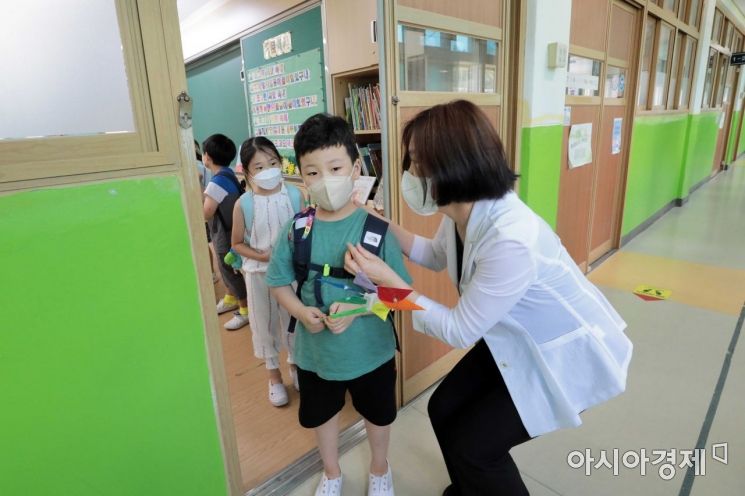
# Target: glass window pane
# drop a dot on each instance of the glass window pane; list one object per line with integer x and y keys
{"x": 432, "y": 60}
{"x": 693, "y": 12}
{"x": 721, "y": 78}
{"x": 668, "y": 4}
{"x": 615, "y": 82}
{"x": 662, "y": 65}
{"x": 61, "y": 83}
{"x": 686, "y": 74}
{"x": 674, "y": 70}
{"x": 583, "y": 76}
{"x": 646, "y": 61}
{"x": 709, "y": 81}
{"x": 716, "y": 31}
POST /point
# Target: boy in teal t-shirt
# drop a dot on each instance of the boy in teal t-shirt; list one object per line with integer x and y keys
{"x": 334, "y": 355}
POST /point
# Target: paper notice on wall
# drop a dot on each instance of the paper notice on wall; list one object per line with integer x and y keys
{"x": 580, "y": 145}
{"x": 582, "y": 84}
{"x": 616, "y": 138}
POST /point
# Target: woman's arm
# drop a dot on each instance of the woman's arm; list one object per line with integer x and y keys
{"x": 504, "y": 272}
{"x": 237, "y": 237}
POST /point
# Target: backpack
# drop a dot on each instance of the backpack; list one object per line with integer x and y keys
{"x": 373, "y": 235}
{"x": 247, "y": 205}
{"x": 228, "y": 226}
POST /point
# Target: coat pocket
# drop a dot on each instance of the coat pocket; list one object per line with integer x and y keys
{"x": 583, "y": 367}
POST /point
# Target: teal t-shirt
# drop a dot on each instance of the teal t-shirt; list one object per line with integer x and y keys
{"x": 369, "y": 341}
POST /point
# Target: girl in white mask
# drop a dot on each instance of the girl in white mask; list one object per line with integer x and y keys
{"x": 258, "y": 218}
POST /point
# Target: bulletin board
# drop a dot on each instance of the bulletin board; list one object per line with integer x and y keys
{"x": 286, "y": 86}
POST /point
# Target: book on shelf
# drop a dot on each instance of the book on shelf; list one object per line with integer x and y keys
{"x": 362, "y": 106}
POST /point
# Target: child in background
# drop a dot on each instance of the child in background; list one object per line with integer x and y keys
{"x": 204, "y": 177}
{"x": 258, "y": 218}
{"x": 220, "y": 196}
{"x": 334, "y": 355}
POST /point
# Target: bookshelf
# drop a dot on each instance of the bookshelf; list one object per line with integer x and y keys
{"x": 357, "y": 88}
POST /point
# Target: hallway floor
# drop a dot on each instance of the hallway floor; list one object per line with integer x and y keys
{"x": 686, "y": 386}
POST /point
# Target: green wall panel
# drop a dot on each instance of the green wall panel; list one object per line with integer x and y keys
{"x": 104, "y": 381}
{"x": 741, "y": 143}
{"x": 657, "y": 153}
{"x": 702, "y": 143}
{"x": 219, "y": 98}
{"x": 731, "y": 141}
{"x": 540, "y": 168}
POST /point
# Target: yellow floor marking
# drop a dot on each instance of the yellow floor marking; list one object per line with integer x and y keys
{"x": 704, "y": 286}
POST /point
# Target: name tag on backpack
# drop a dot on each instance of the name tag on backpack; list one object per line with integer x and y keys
{"x": 372, "y": 239}
{"x": 301, "y": 222}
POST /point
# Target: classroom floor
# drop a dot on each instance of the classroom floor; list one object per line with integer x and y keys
{"x": 686, "y": 383}
{"x": 269, "y": 438}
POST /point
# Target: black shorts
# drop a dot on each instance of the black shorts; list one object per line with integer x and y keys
{"x": 373, "y": 396}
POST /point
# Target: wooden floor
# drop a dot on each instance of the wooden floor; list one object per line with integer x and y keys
{"x": 269, "y": 438}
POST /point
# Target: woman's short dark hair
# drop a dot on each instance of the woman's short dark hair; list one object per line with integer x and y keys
{"x": 256, "y": 144}
{"x": 458, "y": 148}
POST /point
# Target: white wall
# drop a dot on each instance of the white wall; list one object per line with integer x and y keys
{"x": 217, "y": 21}
{"x": 547, "y": 21}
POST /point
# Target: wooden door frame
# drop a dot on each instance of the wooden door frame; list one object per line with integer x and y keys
{"x": 742, "y": 112}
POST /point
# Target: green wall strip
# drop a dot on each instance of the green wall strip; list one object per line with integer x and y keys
{"x": 741, "y": 143}
{"x": 540, "y": 169}
{"x": 702, "y": 144}
{"x": 657, "y": 152}
{"x": 219, "y": 99}
{"x": 105, "y": 385}
{"x": 731, "y": 141}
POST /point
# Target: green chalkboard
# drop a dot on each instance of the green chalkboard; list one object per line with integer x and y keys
{"x": 285, "y": 89}
{"x": 219, "y": 99}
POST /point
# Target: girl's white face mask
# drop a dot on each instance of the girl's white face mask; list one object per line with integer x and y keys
{"x": 332, "y": 192}
{"x": 268, "y": 178}
{"x": 414, "y": 195}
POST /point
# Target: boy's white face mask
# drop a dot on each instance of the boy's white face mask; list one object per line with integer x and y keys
{"x": 413, "y": 193}
{"x": 268, "y": 178}
{"x": 332, "y": 192}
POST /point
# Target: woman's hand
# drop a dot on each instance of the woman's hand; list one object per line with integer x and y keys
{"x": 313, "y": 319}
{"x": 337, "y": 326}
{"x": 359, "y": 259}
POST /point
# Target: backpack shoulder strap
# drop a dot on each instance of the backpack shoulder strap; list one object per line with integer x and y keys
{"x": 373, "y": 234}
{"x": 302, "y": 242}
{"x": 247, "y": 205}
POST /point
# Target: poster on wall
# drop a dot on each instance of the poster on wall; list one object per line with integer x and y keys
{"x": 616, "y": 138}
{"x": 580, "y": 145}
{"x": 283, "y": 94}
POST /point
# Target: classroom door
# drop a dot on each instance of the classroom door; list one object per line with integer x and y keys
{"x": 441, "y": 51}
{"x": 616, "y": 115}
{"x": 599, "y": 108}
{"x": 724, "y": 83}
{"x": 96, "y": 145}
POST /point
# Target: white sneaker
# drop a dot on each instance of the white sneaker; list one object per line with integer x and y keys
{"x": 223, "y": 307}
{"x": 295, "y": 382}
{"x": 329, "y": 487}
{"x": 278, "y": 394}
{"x": 381, "y": 485}
{"x": 236, "y": 322}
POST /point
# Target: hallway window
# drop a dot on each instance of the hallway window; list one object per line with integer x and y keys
{"x": 686, "y": 72}
{"x": 433, "y": 60}
{"x": 646, "y": 64}
{"x": 583, "y": 76}
{"x": 662, "y": 65}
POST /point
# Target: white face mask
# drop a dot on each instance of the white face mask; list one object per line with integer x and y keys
{"x": 268, "y": 178}
{"x": 413, "y": 193}
{"x": 332, "y": 192}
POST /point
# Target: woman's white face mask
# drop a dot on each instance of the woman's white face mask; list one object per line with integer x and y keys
{"x": 332, "y": 192}
{"x": 414, "y": 195}
{"x": 268, "y": 178}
